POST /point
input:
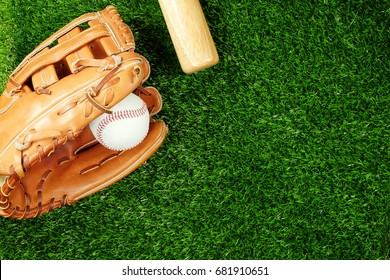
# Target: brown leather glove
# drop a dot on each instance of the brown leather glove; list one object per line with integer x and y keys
{"x": 48, "y": 155}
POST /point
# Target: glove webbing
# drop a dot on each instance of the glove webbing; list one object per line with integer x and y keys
{"x": 107, "y": 23}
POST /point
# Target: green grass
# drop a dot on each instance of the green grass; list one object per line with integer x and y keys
{"x": 281, "y": 151}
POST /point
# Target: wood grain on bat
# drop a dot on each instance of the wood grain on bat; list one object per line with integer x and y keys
{"x": 190, "y": 34}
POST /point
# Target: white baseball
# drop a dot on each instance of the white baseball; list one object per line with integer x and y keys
{"x": 126, "y": 127}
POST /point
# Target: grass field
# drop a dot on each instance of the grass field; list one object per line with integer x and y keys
{"x": 281, "y": 151}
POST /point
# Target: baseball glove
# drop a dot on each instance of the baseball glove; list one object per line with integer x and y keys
{"x": 48, "y": 155}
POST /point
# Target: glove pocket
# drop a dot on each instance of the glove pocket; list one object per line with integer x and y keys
{"x": 76, "y": 170}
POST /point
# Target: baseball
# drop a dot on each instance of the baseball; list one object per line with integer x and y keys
{"x": 126, "y": 127}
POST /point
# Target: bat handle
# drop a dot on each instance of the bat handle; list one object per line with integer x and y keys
{"x": 190, "y": 34}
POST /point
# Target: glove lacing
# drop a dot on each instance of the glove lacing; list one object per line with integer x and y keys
{"x": 57, "y": 136}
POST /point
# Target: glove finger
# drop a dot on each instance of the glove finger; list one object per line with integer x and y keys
{"x": 152, "y": 97}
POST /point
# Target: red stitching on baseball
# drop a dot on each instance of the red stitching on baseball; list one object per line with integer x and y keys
{"x": 118, "y": 115}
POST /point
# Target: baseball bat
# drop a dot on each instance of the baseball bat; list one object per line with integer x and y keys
{"x": 190, "y": 34}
